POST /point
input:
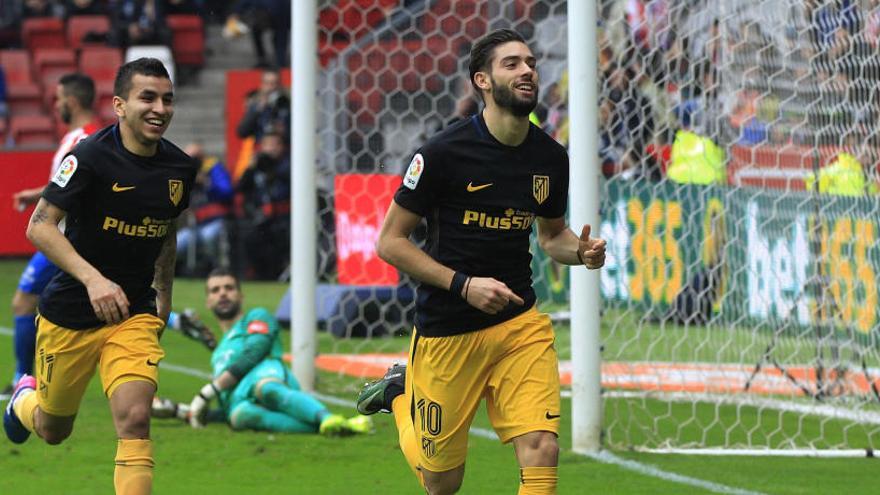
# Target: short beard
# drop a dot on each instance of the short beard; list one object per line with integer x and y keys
{"x": 505, "y": 98}
{"x": 65, "y": 115}
{"x": 226, "y": 314}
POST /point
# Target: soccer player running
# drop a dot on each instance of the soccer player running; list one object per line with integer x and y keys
{"x": 121, "y": 191}
{"x": 254, "y": 387}
{"x": 481, "y": 183}
{"x": 74, "y": 97}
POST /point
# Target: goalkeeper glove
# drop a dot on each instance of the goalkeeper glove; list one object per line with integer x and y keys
{"x": 189, "y": 324}
{"x": 198, "y": 408}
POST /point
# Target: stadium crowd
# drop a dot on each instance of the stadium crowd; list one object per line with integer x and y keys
{"x": 660, "y": 75}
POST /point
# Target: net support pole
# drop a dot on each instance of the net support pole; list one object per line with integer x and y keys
{"x": 586, "y": 407}
{"x": 303, "y": 256}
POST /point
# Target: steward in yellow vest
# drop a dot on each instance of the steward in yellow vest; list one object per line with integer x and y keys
{"x": 844, "y": 176}
{"x": 696, "y": 160}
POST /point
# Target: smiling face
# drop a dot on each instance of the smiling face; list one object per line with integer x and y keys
{"x": 512, "y": 82}
{"x": 223, "y": 296}
{"x": 145, "y": 113}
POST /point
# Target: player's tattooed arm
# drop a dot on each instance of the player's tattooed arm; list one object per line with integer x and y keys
{"x": 41, "y": 214}
{"x": 164, "y": 276}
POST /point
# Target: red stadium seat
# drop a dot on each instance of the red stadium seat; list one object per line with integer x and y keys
{"x": 55, "y": 61}
{"x": 188, "y": 39}
{"x": 100, "y": 63}
{"x": 24, "y": 99}
{"x": 32, "y": 130}
{"x": 50, "y": 64}
{"x": 22, "y": 93}
{"x": 43, "y": 32}
{"x": 16, "y": 66}
{"x": 80, "y": 26}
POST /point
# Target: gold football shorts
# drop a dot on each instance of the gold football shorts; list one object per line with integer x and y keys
{"x": 512, "y": 364}
{"x": 66, "y": 359}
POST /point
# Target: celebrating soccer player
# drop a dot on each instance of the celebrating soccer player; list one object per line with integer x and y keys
{"x": 254, "y": 387}
{"x": 74, "y": 96}
{"x": 481, "y": 184}
{"x": 121, "y": 191}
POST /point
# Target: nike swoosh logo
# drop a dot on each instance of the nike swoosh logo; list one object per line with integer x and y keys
{"x": 551, "y": 416}
{"x": 472, "y": 188}
{"x": 118, "y": 188}
{"x": 151, "y": 363}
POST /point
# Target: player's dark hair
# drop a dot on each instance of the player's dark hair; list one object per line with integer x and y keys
{"x": 223, "y": 272}
{"x": 143, "y": 66}
{"x": 483, "y": 52}
{"x": 81, "y": 87}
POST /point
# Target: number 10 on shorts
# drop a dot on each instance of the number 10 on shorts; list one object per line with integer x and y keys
{"x": 431, "y": 415}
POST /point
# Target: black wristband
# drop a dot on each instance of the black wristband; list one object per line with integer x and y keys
{"x": 457, "y": 284}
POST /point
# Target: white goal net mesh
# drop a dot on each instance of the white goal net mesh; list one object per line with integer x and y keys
{"x": 739, "y": 303}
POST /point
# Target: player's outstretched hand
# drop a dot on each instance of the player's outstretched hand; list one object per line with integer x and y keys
{"x": 108, "y": 300}
{"x": 591, "y": 251}
{"x": 489, "y": 295}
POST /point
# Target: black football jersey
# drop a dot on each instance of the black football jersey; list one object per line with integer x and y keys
{"x": 120, "y": 208}
{"x": 480, "y": 199}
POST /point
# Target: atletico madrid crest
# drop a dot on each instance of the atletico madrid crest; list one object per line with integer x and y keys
{"x": 175, "y": 190}
{"x": 540, "y": 187}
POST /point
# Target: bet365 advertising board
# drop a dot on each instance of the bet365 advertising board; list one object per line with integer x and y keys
{"x": 780, "y": 253}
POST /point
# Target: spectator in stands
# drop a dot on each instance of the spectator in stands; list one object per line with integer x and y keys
{"x": 265, "y": 186}
{"x": 262, "y": 16}
{"x": 139, "y": 22}
{"x": 41, "y": 8}
{"x": 268, "y": 109}
{"x": 83, "y": 7}
{"x": 202, "y": 241}
{"x": 10, "y": 24}
{"x": 613, "y": 145}
{"x": 632, "y": 116}
{"x": 696, "y": 159}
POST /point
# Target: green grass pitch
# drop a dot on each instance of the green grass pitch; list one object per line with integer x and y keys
{"x": 218, "y": 461}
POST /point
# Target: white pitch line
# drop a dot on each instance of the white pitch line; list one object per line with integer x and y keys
{"x": 603, "y": 456}
{"x": 607, "y": 457}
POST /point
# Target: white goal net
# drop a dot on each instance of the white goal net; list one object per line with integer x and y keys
{"x": 740, "y": 305}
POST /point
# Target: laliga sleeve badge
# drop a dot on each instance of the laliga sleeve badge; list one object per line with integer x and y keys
{"x": 414, "y": 171}
{"x": 65, "y": 171}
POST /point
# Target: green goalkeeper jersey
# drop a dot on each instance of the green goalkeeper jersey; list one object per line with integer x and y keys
{"x": 254, "y": 330}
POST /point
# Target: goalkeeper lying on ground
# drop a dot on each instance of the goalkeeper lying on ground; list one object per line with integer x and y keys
{"x": 254, "y": 388}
